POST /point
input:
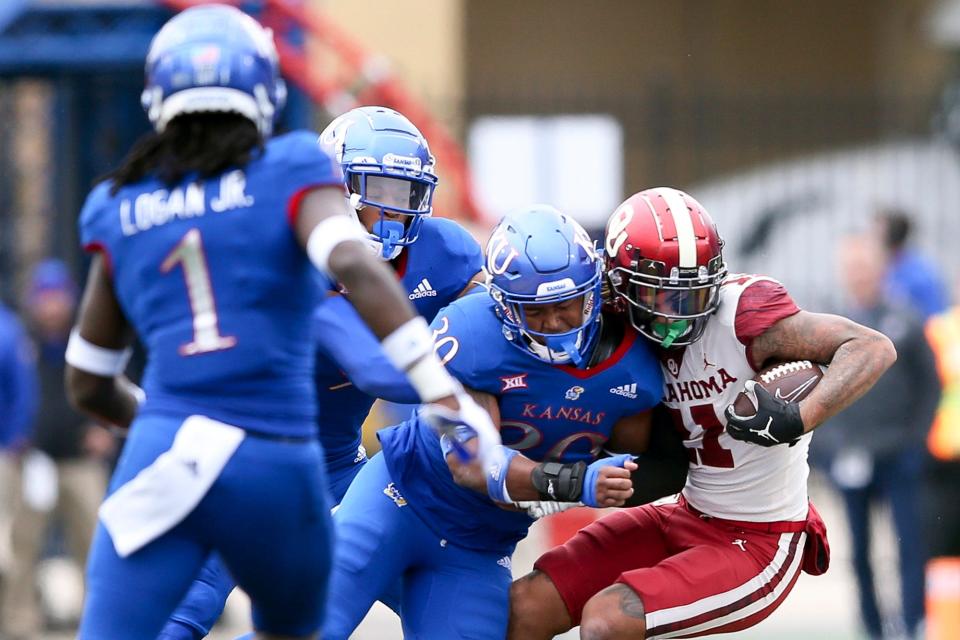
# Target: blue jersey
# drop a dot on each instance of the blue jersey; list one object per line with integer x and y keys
{"x": 351, "y": 370}
{"x": 211, "y": 277}
{"x": 18, "y": 381}
{"x": 547, "y": 412}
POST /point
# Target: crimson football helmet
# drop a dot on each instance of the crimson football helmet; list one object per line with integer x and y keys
{"x": 665, "y": 265}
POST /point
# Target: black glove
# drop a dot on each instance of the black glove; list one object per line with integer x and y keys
{"x": 776, "y": 422}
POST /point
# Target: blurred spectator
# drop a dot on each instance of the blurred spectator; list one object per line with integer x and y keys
{"x": 943, "y": 332}
{"x": 877, "y": 451}
{"x": 911, "y": 277}
{"x": 63, "y": 473}
{"x": 18, "y": 398}
{"x": 943, "y": 483}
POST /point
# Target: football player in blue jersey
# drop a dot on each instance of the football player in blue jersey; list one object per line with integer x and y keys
{"x": 205, "y": 242}
{"x": 561, "y": 379}
{"x": 389, "y": 174}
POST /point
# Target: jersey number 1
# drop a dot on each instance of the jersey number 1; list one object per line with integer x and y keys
{"x": 206, "y": 328}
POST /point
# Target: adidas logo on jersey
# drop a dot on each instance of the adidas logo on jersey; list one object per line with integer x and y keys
{"x": 626, "y": 390}
{"x": 423, "y": 290}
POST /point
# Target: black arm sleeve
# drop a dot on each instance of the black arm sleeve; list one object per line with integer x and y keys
{"x": 662, "y": 468}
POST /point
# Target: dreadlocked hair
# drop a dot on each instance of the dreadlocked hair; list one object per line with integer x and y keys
{"x": 202, "y": 143}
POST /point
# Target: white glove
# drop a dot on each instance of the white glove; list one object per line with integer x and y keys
{"x": 461, "y": 425}
{"x": 541, "y": 508}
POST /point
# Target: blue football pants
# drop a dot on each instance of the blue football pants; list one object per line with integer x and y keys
{"x": 266, "y": 515}
{"x": 204, "y": 602}
{"x": 448, "y": 592}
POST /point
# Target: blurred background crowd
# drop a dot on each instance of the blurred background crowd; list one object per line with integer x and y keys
{"x": 823, "y": 136}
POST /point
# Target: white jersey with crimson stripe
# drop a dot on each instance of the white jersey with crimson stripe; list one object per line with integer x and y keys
{"x": 728, "y": 478}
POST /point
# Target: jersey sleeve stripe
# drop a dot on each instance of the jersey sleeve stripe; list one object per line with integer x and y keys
{"x": 101, "y": 248}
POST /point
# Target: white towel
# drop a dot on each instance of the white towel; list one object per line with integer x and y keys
{"x": 164, "y": 493}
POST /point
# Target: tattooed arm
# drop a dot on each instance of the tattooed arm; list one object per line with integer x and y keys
{"x": 856, "y": 357}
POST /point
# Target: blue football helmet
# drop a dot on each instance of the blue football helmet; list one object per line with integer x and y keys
{"x": 539, "y": 256}
{"x": 213, "y": 58}
{"x": 387, "y": 166}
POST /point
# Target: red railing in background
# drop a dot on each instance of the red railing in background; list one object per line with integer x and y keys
{"x": 365, "y": 80}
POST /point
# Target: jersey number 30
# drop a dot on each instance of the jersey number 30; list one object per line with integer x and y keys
{"x": 206, "y": 328}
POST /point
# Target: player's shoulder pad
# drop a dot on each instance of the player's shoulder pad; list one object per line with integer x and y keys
{"x": 96, "y": 221}
{"x": 463, "y": 316}
{"x": 452, "y": 235}
{"x": 470, "y": 326}
{"x": 302, "y": 147}
{"x": 735, "y": 285}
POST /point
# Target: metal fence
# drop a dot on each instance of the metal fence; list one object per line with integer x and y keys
{"x": 784, "y": 176}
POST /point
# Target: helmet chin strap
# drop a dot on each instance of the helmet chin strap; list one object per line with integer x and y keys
{"x": 669, "y": 332}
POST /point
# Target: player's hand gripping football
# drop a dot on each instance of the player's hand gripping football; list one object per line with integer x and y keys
{"x": 459, "y": 425}
{"x": 775, "y": 422}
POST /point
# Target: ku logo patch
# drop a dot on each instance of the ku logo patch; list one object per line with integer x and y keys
{"x": 573, "y": 393}
{"x": 514, "y": 382}
{"x": 391, "y": 492}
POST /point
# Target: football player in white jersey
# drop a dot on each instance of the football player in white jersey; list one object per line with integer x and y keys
{"x": 726, "y": 553}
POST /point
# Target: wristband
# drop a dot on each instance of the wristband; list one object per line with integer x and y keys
{"x": 408, "y": 343}
{"x": 100, "y": 361}
{"x": 430, "y": 379}
{"x": 497, "y": 472}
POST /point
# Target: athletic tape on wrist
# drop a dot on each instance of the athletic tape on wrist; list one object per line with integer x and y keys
{"x": 431, "y": 380}
{"x": 327, "y": 235}
{"x": 100, "y": 361}
{"x": 408, "y": 343}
